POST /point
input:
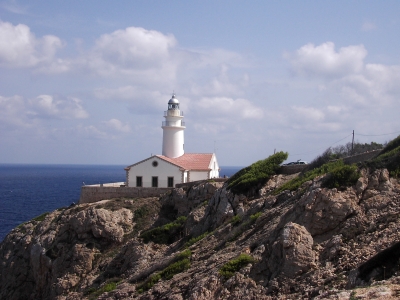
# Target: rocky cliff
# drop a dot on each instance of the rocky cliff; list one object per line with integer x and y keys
{"x": 205, "y": 242}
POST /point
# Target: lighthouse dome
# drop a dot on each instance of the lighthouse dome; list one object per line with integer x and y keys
{"x": 173, "y": 100}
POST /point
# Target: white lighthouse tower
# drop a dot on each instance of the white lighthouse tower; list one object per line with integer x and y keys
{"x": 173, "y": 127}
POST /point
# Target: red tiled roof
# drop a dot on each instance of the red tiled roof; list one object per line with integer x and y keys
{"x": 191, "y": 161}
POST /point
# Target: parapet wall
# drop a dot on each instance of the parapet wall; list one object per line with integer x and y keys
{"x": 94, "y": 193}
{"x": 361, "y": 157}
{"x": 192, "y": 183}
{"x": 292, "y": 169}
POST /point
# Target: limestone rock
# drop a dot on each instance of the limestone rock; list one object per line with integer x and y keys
{"x": 305, "y": 244}
{"x": 292, "y": 253}
{"x": 322, "y": 210}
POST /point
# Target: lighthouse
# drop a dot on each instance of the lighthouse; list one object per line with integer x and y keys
{"x": 174, "y": 166}
{"x": 173, "y": 129}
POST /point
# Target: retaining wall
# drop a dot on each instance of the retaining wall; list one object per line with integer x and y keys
{"x": 292, "y": 169}
{"x": 94, "y": 193}
{"x": 361, "y": 157}
{"x": 192, "y": 183}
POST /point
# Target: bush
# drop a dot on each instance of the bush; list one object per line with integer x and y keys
{"x": 184, "y": 254}
{"x": 175, "y": 268}
{"x": 41, "y": 217}
{"x": 256, "y": 174}
{"x": 393, "y": 144}
{"x": 179, "y": 266}
{"x": 295, "y": 183}
{"x": 166, "y": 234}
{"x": 195, "y": 239}
{"x": 389, "y": 158}
{"x": 108, "y": 287}
{"x": 342, "y": 176}
{"x": 234, "y": 265}
{"x": 341, "y": 151}
{"x": 254, "y": 217}
{"x": 236, "y": 220}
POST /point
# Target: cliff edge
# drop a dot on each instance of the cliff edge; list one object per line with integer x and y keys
{"x": 206, "y": 242}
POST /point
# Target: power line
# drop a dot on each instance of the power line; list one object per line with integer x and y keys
{"x": 317, "y": 150}
{"x": 377, "y": 134}
{"x": 323, "y": 148}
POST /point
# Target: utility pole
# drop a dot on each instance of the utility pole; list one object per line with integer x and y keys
{"x": 352, "y": 144}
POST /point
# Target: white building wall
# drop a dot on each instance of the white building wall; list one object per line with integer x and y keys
{"x": 198, "y": 175}
{"x": 146, "y": 170}
{"x": 214, "y": 173}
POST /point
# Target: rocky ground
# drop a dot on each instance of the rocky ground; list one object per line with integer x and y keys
{"x": 313, "y": 243}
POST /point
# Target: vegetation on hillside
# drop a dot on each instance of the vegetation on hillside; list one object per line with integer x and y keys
{"x": 339, "y": 175}
{"x": 256, "y": 174}
{"x": 182, "y": 263}
{"x": 234, "y": 265}
{"x": 165, "y": 234}
{"x": 389, "y": 158}
{"x": 342, "y": 151}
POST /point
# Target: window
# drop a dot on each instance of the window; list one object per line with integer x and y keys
{"x": 170, "y": 181}
{"x": 155, "y": 163}
{"x": 154, "y": 181}
{"x": 139, "y": 181}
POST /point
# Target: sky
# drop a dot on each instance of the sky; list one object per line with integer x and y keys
{"x": 87, "y": 82}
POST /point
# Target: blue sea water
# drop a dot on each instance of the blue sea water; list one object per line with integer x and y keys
{"x": 27, "y": 191}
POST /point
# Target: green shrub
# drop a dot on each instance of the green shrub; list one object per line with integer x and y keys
{"x": 256, "y": 174}
{"x": 234, "y": 265}
{"x": 195, "y": 239}
{"x": 141, "y": 212}
{"x": 254, "y": 217}
{"x": 393, "y": 144}
{"x": 236, "y": 220}
{"x": 95, "y": 293}
{"x": 148, "y": 284}
{"x": 165, "y": 234}
{"x": 41, "y": 217}
{"x": 184, "y": 254}
{"x": 295, "y": 183}
{"x": 179, "y": 266}
{"x": 389, "y": 158}
{"x": 342, "y": 176}
{"x": 175, "y": 268}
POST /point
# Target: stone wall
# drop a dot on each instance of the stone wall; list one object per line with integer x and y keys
{"x": 191, "y": 183}
{"x": 94, "y": 193}
{"x": 361, "y": 157}
{"x": 292, "y": 169}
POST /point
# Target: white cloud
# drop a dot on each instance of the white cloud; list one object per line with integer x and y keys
{"x": 14, "y": 7}
{"x": 129, "y": 50}
{"x": 348, "y": 80}
{"x": 20, "y": 48}
{"x": 17, "y": 112}
{"x": 47, "y": 106}
{"x": 377, "y": 84}
{"x": 13, "y": 113}
{"x": 117, "y": 125}
{"x": 230, "y": 108}
{"x": 324, "y": 60}
{"x": 309, "y": 113}
{"x": 368, "y": 26}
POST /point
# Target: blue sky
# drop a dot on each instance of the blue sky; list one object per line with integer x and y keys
{"x": 87, "y": 82}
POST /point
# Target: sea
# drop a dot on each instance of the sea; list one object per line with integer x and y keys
{"x": 29, "y": 190}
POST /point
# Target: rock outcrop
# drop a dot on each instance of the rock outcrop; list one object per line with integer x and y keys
{"x": 310, "y": 243}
